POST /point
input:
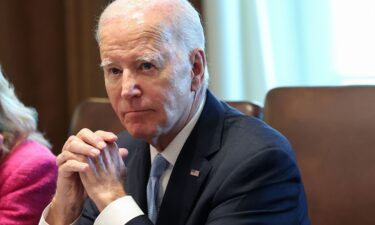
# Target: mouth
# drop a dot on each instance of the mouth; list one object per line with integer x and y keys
{"x": 137, "y": 112}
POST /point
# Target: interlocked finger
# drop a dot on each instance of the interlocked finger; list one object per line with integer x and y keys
{"x": 77, "y": 146}
{"x": 71, "y": 166}
{"x": 108, "y": 162}
{"x": 92, "y": 139}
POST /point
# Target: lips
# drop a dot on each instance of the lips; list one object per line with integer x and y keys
{"x": 137, "y": 112}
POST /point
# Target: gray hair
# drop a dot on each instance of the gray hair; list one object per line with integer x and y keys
{"x": 17, "y": 122}
{"x": 185, "y": 21}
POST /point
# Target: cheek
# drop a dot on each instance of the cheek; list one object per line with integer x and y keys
{"x": 179, "y": 82}
{"x": 162, "y": 98}
{"x": 174, "y": 99}
{"x": 114, "y": 95}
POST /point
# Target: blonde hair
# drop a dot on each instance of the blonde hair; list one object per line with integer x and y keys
{"x": 17, "y": 122}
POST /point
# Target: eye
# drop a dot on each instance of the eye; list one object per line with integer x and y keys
{"x": 146, "y": 66}
{"x": 115, "y": 71}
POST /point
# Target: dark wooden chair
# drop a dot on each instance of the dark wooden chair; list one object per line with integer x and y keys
{"x": 332, "y": 130}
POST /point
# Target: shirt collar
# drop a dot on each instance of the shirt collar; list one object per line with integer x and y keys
{"x": 171, "y": 152}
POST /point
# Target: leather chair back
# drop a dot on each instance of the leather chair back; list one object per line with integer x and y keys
{"x": 332, "y": 130}
{"x": 97, "y": 114}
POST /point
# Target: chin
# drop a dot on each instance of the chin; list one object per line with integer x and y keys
{"x": 140, "y": 132}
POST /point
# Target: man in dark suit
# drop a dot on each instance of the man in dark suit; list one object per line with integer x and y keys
{"x": 217, "y": 166}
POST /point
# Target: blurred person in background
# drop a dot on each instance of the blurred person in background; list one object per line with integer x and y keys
{"x": 28, "y": 170}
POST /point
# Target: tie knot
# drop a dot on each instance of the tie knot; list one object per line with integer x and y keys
{"x": 158, "y": 166}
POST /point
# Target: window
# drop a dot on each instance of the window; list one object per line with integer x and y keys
{"x": 353, "y": 40}
{"x": 254, "y": 46}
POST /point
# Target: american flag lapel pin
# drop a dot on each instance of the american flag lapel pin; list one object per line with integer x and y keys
{"x": 194, "y": 173}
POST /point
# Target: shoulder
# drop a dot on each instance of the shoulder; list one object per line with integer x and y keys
{"x": 251, "y": 138}
{"x": 249, "y": 132}
{"x": 29, "y": 162}
{"x": 250, "y": 145}
{"x": 33, "y": 148}
{"x": 258, "y": 160}
{"x": 29, "y": 154}
{"x": 238, "y": 130}
{"x": 27, "y": 182}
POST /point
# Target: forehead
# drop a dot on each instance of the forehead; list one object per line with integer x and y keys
{"x": 129, "y": 33}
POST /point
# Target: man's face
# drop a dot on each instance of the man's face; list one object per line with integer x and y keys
{"x": 148, "y": 82}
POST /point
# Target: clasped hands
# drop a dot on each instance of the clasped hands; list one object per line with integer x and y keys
{"x": 89, "y": 165}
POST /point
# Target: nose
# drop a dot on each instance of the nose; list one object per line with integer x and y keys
{"x": 130, "y": 86}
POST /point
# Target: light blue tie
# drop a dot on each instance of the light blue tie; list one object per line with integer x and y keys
{"x": 159, "y": 165}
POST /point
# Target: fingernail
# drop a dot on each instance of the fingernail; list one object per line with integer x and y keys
{"x": 94, "y": 152}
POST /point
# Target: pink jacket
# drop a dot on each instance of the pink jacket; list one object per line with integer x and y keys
{"x": 27, "y": 182}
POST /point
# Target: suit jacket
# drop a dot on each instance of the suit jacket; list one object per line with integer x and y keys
{"x": 247, "y": 175}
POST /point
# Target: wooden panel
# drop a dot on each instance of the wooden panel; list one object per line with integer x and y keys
{"x": 33, "y": 57}
{"x": 85, "y": 78}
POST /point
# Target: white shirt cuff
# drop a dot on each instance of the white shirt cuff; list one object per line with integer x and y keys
{"x": 119, "y": 212}
{"x": 42, "y": 220}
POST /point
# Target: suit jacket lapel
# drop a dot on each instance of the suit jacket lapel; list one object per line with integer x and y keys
{"x": 192, "y": 165}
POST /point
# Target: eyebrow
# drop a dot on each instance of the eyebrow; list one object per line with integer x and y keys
{"x": 105, "y": 63}
{"x": 150, "y": 57}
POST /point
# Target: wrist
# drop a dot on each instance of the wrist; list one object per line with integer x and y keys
{"x": 63, "y": 213}
{"x": 104, "y": 199}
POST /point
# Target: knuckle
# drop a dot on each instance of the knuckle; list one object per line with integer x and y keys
{"x": 71, "y": 165}
{"x": 71, "y": 137}
{"x": 67, "y": 147}
{"x": 99, "y": 132}
{"x": 105, "y": 133}
{"x": 83, "y": 132}
{"x": 59, "y": 159}
{"x": 68, "y": 144}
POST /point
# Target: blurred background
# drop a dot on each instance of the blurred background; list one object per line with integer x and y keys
{"x": 48, "y": 51}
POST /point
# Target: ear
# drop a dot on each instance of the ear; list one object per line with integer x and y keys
{"x": 198, "y": 63}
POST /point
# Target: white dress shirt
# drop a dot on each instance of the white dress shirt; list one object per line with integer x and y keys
{"x": 124, "y": 209}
